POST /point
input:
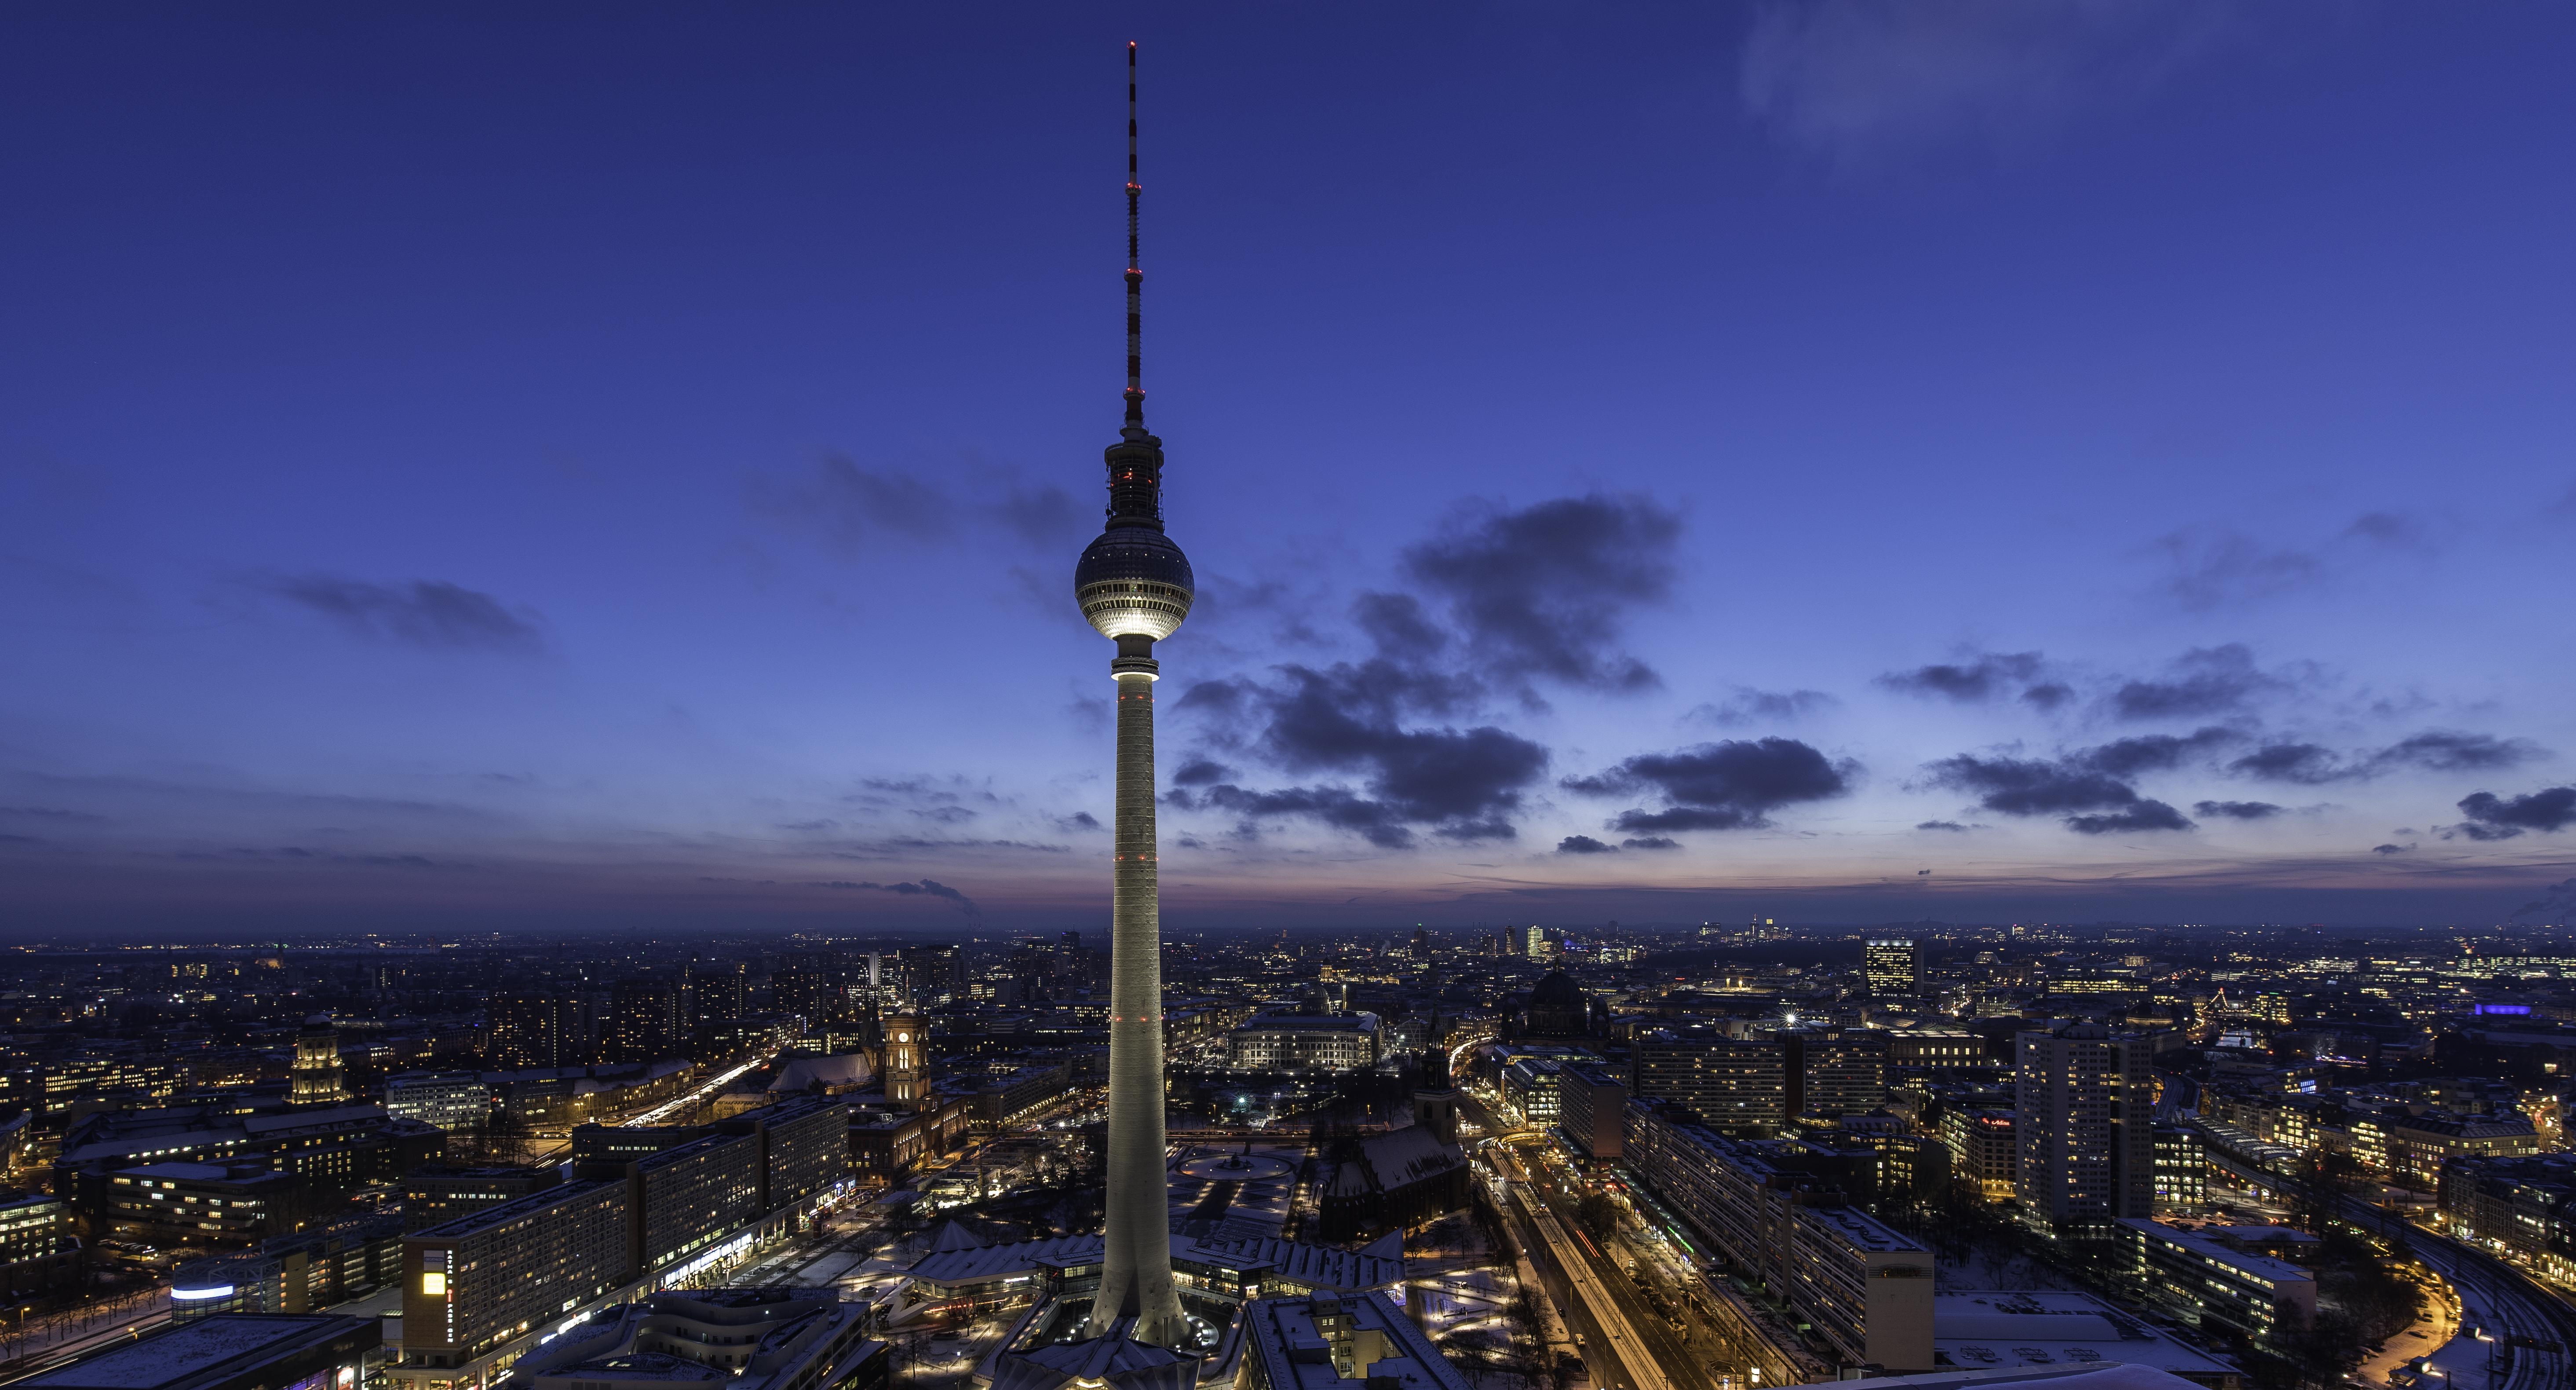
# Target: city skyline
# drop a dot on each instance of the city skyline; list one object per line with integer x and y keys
{"x": 1665, "y": 469}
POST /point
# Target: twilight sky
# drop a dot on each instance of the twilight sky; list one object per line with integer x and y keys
{"x": 1854, "y": 460}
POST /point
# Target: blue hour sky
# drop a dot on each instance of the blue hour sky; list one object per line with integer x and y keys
{"x": 595, "y": 465}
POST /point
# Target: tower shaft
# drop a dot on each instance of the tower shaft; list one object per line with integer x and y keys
{"x": 1136, "y": 1263}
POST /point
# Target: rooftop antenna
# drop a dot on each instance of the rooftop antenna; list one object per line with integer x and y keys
{"x": 1135, "y": 276}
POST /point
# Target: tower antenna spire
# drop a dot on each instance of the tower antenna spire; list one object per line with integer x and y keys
{"x": 1135, "y": 274}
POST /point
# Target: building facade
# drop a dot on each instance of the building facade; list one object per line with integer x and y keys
{"x": 2084, "y": 1107}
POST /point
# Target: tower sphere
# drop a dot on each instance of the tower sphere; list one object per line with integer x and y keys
{"x": 1133, "y": 582}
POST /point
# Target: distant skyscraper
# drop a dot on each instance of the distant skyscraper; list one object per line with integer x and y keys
{"x": 1892, "y": 964}
{"x": 532, "y": 1030}
{"x": 2084, "y": 1102}
{"x": 1134, "y": 586}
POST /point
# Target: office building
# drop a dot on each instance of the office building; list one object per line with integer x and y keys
{"x": 1004, "y": 1100}
{"x": 1892, "y": 965}
{"x": 2411, "y": 1149}
{"x": 2204, "y": 1281}
{"x": 1735, "y": 1085}
{"x": 1358, "y": 1342}
{"x": 2524, "y": 1203}
{"x": 299, "y": 1273}
{"x": 642, "y": 1205}
{"x": 1984, "y": 1154}
{"x": 2182, "y": 1169}
{"x": 230, "y": 1351}
{"x": 2084, "y": 1107}
{"x": 1304, "y": 1042}
{"x": 437, "y": 1193}
{"x": 444, "y": 1100}
{"x": 1592, "y": 1105}
{"x": 173, "y": 1204}
{"x": 741, "y": 1339}
{"x": 38, "y": 1253}
{"x": 1934, "y": 1047}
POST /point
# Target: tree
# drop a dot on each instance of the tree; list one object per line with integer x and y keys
{"x": 1597, "y": 1214}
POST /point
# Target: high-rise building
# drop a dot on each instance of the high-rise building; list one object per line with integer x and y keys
{"x": 1834, "y": 1071}
{"x": 934, "y": 973}
{"x": 531, "y": 1030}
{"x": 1892, "y": 964}
{"x": 1534, "y": 942}
{"x": 1135, "y": 587}
{"x": 644, "y": 1020}
{"x": 2084, "y": 1111}
{"x": 720, "y": 990}
{"x": 1736, "y": 1085}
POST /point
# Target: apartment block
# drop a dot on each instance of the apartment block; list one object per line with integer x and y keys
{"x": 1592, "y": 1107}
{"x": 1735, "y": 1085}
{"x": 2084, "y": 1107}
{"x": 1866, "y": 1286}
{"x": 475, "y": 1287}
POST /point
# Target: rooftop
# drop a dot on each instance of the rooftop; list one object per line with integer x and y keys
{"x": 212, "y": 1347}
{"x": 2009, "y": 1329}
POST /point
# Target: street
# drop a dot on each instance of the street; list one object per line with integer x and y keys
{"x": 1695, "y": 1355}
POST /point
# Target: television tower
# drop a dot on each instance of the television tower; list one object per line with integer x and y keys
{"x": 1134, "y": 587}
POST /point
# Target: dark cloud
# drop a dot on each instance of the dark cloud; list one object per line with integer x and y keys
{"x": 2218, "y": 568}
{"x": 2436, "y": 750}
{"x": 1949, "y": 825}
{"x": 1730, "y": 785}
{"x": 924, "y": 888}
{"x": 1505, "y": 598}
{"x": 2089, "y": 787}
{"x": 1462, "y": 784}
{"x": 2127, "y": 757}
{"x": 2440, "y": 750}
{"x": 2144, "y": 815}
{"x": 2307, "y": 764}
{"x": 1200, "y": 772}
{"x": 1338, "y": 807}
{"x": 1584, "y": 844}
{"x": 1978, "y": 678}
{"x": 1078, "y": 821}
{"x": 1398, "y": 627}
{"x": 2236, "y": 810}
{"x": 422, "y": 612}
{"x": 2047, "y": 696}
{"x": 1649, "y": 842}
{"x": 1544, "y": 591}
{"x": 1746, "y": 705}
{"x": 2391, "y": 849}
{"x": 2491, "y": 817}
{"x": 2202, "y": 682}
